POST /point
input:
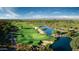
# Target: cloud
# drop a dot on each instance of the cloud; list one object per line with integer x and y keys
{"x": 8, "y": 13}
{"x": 51, "y": 17}
{"x": 35, "y": 17}
{"x": 56, "y": 12}
{"x": 11, "y": 14}
{"x": 1, "y": 9}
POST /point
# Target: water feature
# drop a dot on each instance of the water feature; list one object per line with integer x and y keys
{"x": 47, "y": 30}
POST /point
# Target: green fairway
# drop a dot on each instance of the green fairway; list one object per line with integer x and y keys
{"x": 28, "y": 33}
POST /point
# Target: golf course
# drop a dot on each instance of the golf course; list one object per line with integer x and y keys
{"x": 37, "y": 35}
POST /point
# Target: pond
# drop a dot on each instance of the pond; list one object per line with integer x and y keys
{"x": 47, "y": 30}
{"x": 62, "y": 44}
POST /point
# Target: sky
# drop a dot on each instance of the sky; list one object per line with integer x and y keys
{"x": 38, "y": 12}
